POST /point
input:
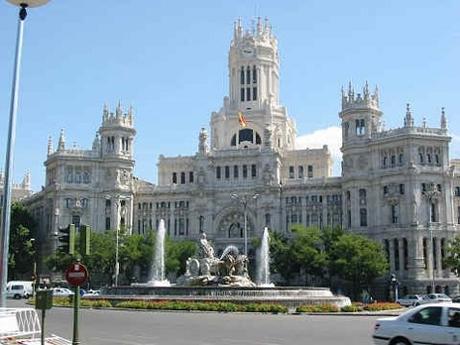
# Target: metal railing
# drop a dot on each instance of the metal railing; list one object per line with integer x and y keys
{"x": 22, "y": 326}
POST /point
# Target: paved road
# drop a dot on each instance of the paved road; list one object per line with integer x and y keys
{"x": 99, "y": 327}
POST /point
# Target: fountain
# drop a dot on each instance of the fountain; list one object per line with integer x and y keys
{"x": 263, "y": 262}
{"x": 224, "y": 278}
{"x": 157, "y": 273}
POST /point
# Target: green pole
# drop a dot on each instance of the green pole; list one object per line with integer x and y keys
{"x": 76, "y": 306}
{"x": 43, "y": 328}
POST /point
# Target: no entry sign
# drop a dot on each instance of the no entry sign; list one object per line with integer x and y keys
{"x": 76, "y": 274}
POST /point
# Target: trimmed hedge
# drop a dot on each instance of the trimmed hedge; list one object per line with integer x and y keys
{"x": 173, "y": 305}
{"x": 204, "y": 306}
{"x": 318, "y": 308}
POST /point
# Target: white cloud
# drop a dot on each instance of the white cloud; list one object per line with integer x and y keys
{"x": 331, "y": 136}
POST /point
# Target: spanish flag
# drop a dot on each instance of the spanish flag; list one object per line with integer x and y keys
{"x": 242, "y": 120}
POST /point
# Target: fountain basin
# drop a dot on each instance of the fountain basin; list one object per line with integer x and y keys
{"x": 291, "y": 297}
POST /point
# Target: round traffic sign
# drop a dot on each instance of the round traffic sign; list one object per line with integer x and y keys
{"x": 76, "y": 274}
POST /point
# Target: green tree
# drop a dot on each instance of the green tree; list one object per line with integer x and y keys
{"x": 134, "y": 251}
{"x": 280, "y": 256}
{"x": 358, "y": 260}
{"x": 177, "y": 253}
{"x": 452, "y": 259}
{"x": 22, "y": 244}
{"x": 307, "y": 251}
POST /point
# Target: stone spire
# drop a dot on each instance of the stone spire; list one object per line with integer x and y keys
{"x": 118, "y": 111}
{"x": 50, "y": 146}
{"x": 130, "y": 114}
{"x": 443, "y": 119}
{"x": 26, "y": 181}
{"x": 61, "y": 143}
{"x": 105, "y": 113}
{"x": 377, "y": 94}
{"x": 259, "y": 26}
{"x": 408, "y": 120}
{"x": 366, "y": 91}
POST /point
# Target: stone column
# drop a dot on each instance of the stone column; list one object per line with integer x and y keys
{"x": 417, "y": 265}
{"x": 438, "y": 257}
{"x": 401, "y": 257}
{"x": 392, "y": 256}
{"x": 429, "y": 269}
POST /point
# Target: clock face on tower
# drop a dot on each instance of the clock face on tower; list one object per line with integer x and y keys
{"x": 247, "y": 51}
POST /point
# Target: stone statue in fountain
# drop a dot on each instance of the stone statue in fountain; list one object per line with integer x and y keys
{"x": 231, "y": 269}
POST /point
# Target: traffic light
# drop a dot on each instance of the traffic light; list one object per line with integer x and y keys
{"x": 85, "y": 239}
{"x": 67, "y": 238}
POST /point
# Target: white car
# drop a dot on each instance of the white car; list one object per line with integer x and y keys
{"x": 433, "y": 298}
{"x": 409, "y": 300}
{"x": 426, "y": 324}
{"x": 62, "y": 292}
{"x": 19, "y": 289}
{"x": 92, "y": 293}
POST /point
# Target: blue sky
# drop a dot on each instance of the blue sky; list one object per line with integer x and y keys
{"x": 168, "y": 59}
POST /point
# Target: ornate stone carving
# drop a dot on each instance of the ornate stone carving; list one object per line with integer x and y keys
{"x": 231, "y": 269}
{"x": 268, "y": 175}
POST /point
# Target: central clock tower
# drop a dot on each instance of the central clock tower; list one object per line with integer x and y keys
{"x": 254, "y": 67}
{"x": 252, "y": 115}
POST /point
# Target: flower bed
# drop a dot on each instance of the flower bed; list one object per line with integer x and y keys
{"x": 318, "y": 308}
{"x": 357, "y": 307}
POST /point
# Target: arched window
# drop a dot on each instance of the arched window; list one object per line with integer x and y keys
{"x": 235, "y": 230}
{"x": 86, "y": 177}
{"x": 246, "y": 135}
{"x": 248, "y": 75}
{"x": 363, "y": 217}
{"x": 242, "y": 76}
{"x": 362, "y": 196}
{"x": 254, "y": 74}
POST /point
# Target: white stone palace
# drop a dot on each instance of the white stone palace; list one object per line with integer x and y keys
{"x": 398, "y": 186}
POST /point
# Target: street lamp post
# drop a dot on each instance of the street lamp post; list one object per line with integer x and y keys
{"x": 6, "y": 207}
{"x": 244, "y": 200}
{"x": 432, "y": 193}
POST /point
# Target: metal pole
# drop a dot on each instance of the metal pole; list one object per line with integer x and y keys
{"x": 117, "y": 265}
{"x": 432, "y": 260}
{"x": 76, "y": 307}
{"x": 42, "y": 336}
{"x": 6, "y": 209}
{"x": 245, "y": 228}
{"x": 430, "y": 230}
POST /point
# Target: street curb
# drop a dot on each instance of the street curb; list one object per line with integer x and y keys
{"x": 395, "y": 312}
